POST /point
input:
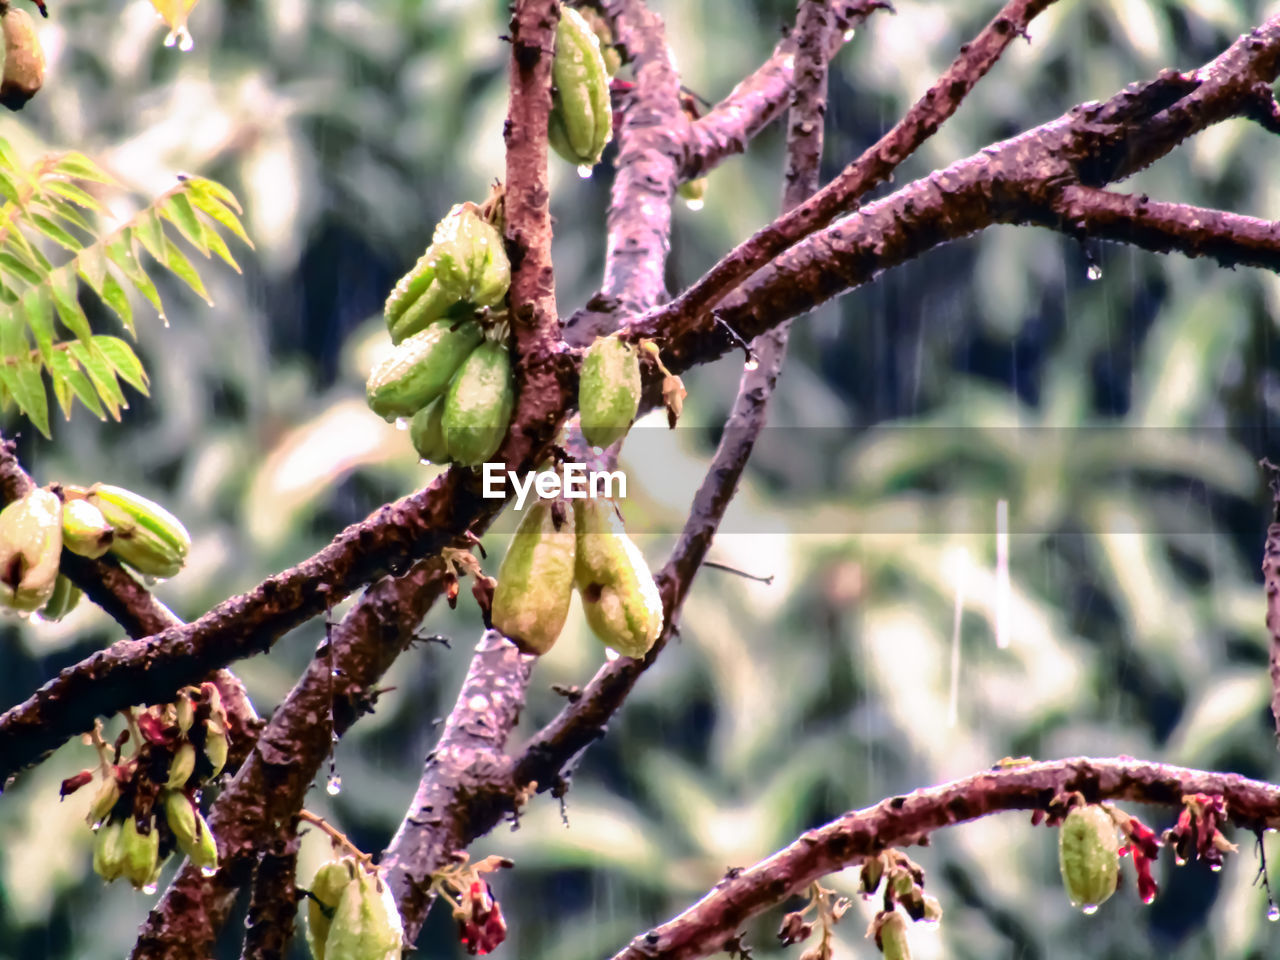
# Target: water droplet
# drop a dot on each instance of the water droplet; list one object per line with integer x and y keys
{"x": 1089, "y": 909}
{"x": 1094, "y": 272}
{"x": 171, "y": 38}
{"x": 185, "y": 42}
{"x": 694, "y": 205}
{"x": 1273, "y": 913}
{"x": 334, "y": 786}
{"x": 423, "y": 461}
{"x": 584, "y": 172}
{"x": 402, "y": 423}
{"x": 1215, "y": 867}
{"x": 847, "y": 35}
{"x": 208, "y": 871}
{"x": 1149, "y": 897}
{"x": 751, "y": 365}
{"x": 150, "y": 889}
{"x": 1180, "y": 861}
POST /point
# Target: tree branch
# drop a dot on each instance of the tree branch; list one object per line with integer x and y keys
{"x": 454, "y": 793}
{"x": 1014, "y": 182}
{"x": 873, "y": 167}
{"x": 762, "y": 96}
{"x": 909, "y": 820}
{"x": 1271, "y": 583}
{"x": 340, "y": 683}
{"x": 273, "y": 900}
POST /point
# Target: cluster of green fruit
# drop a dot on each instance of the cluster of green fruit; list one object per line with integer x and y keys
{"x": 449, "y": 369}
{"x": 351, "y": 914}
{"x": 90, "y": 522}
{"x": 558, "y": 546}
{"x": 145, "y": 808}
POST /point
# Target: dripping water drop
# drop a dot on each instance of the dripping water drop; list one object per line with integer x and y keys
{"x": 1094, "y": 272}
{"x": 1215, "y": 867}
{"x": 847, "y": 35}
{"x": 185, "y": 43}
{"x": 584, "y": 171}
{"x": 751, "y": 365}
{"x": 694, "y": 205}
{"x": 402, "y": 423}
{"x": 1089, "y": 909}
{"x": 1273, "y": 913}
{"x": 334, "y": 786}
{"x": 1180, "y": 861}
{"x": 208, "y": 871}
{"x": 150, "y": 889}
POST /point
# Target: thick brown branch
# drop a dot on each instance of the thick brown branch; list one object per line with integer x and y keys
{"x": 455, "y": 791}
{"x": 273, "y": 901}
{"x": 1230, "y": 238}
{"x": 269, "y": 790}
{"x": 873, "y": 167}
{"x": 903, "y": 821}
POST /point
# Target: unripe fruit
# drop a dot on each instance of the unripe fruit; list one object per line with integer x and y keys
{"x": 427, "y": 433}
{"x": 330, "y": 880}
{"x": 470, "y": 260}
{"x": 108, "y": 851}
{"x": 419, "y": 369}
{"x": 85, "y": 530}
{"x": 581, "y": 122}
{"x": 104, "y": 802}
{"x": 66, "y": 595}
{"x": 1089, "y": 856}
{"x": 608, "y": 390}
{"x": 141, "y": 852}
{"x": 147, "y": 536}
{"x": 891, "y": 935}
{"x": 434, "y": 302}
{"x": 182, "y": 766}
{"x": 535, "y": 581}
{"x": 194, "y": 837}
{"x": 477, "y": 408}
{"x": 216, "y": 746}
{"x": 30, "y": 548}
{"x": 366, "y": 924}
{"x": 23, "y": 59}
{"x": 619, "y": 596}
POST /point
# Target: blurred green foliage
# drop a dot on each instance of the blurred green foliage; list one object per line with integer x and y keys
{"x": 1118, "y": 417}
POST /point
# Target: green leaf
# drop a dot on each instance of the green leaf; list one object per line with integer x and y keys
{"x": 9, "y": 188}
{"x": 120, "y": 252}
{"x": 8, "y": 157}
{"x": 64, "y": 370}
{"x": 11, "y": 264}
{"x": 76, "y": 164}
{"x": 124, "y": 360}
{"x": 114, "y": 296}
{"x": 13, "y": 337}
{"x": 215, "y": 190}
{"x": 23, "y": 380}
{"x": 219, "y": 246}
{"x": 182, "y": 268}
{"x": 37, "y": 307}
{"x": 91, "y": 264}
{"x": 68, "y": 212}
{"x": 150, "y": 233}
{"x": 177, "y": 210}
{"x": 69, "y": 191}
{"x": 64, "y": 289}
{"x": 212, "y": 207}
{"x": 103, "y": 376}
{"x": 17, "y": 241}
{"x": 62, "y": 390}
{"x": 54, "y": 232}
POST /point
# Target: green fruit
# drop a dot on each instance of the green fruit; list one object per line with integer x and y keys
{"x": 146, "y": 536}
{"x": 608, "y": 390}
{"x": 194, "y": 837}
{"x": 330, "y": 880}
{"x": 84, "y": 529}
{"x": 619, "y": 596}
{"x": 581, "y": 96}
{"x": 471, "y": 263}
{"x": 433, "y": 304}
{"x": 182, "y": 766}
{"x": 63, "y": 600}
{"x": 427, "y": 433}
{"x": 418, "y": 370}
{"x": 23, "y": 59}
{"x": 693, "y": 190}
{"x": 892, "y": 937}
{"x": 366, "y": 924}
{"x": 108, "y": 851}
{"x": 535, "y": 581}
{"x": 30, "y": 548}
{"x": 409, "y": 288}
{"x": 141, "y": 852}
{"x": 1089, "y": 855}
{"x": 477, "y": 408}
